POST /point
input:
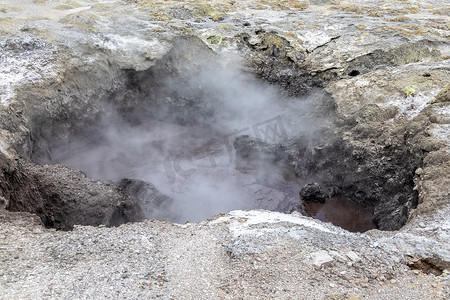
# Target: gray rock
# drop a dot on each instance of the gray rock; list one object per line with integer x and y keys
{"x": 151, "y": 201}
{"x": 312, "y": 192}
{"x": 62, "y": 197}
{"x": 353, "y": 256}
{"x": 321, "y": 258}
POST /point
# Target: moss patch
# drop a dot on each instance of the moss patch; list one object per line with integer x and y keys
{"x": 281, "y": 5}
{"x": 443, "y": 96}
{"x": 373, "y": 10}
{"x": 7, "y": 25}
{"x": 409, "y": 90}
{"x": 83, "y": 22}
{"x": 400, "y": 19}
{"x": 442, "y": 12}
{"x": 214, "y": 39}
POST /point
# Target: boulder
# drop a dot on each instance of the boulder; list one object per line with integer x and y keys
{"x": 312, "y": 192}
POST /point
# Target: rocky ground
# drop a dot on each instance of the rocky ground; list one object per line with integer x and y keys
{"x": 240, "y": 255}
{"x": 386, "y": 68}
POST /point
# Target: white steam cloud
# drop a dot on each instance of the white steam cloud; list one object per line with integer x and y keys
{"x": 194, "y": 162}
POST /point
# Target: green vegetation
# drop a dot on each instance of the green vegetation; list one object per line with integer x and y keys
{"x": 281, "y": 4}
{"x": 214, "y": 39}
{"x": 409, "y": 90}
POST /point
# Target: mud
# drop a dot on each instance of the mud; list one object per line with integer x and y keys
{"x": 341, "y": 212}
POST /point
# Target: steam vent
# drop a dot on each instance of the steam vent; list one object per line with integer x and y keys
{"x": 254, "y": 149}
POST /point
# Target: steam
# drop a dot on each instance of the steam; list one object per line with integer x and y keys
{"x": 180, "y": 140}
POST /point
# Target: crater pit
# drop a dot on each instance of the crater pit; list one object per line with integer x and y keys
{"x": 197, "y": 135}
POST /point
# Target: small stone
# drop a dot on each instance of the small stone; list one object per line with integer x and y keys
{"x": 353, "y": 256}
{"x": 321, "y": 258}
{"x": 338, "y": 256}
{"x": 422, "y": 224}
{"x": 393, "y": 281}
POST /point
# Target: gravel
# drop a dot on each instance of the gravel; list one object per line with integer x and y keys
{"x": 240, "y": 255}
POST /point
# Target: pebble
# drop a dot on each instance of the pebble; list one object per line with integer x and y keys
{"x": 353, "y": 256}
{"x": 321, "y": 258}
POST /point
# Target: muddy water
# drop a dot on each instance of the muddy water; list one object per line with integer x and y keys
{"x": 341, "y": 212}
